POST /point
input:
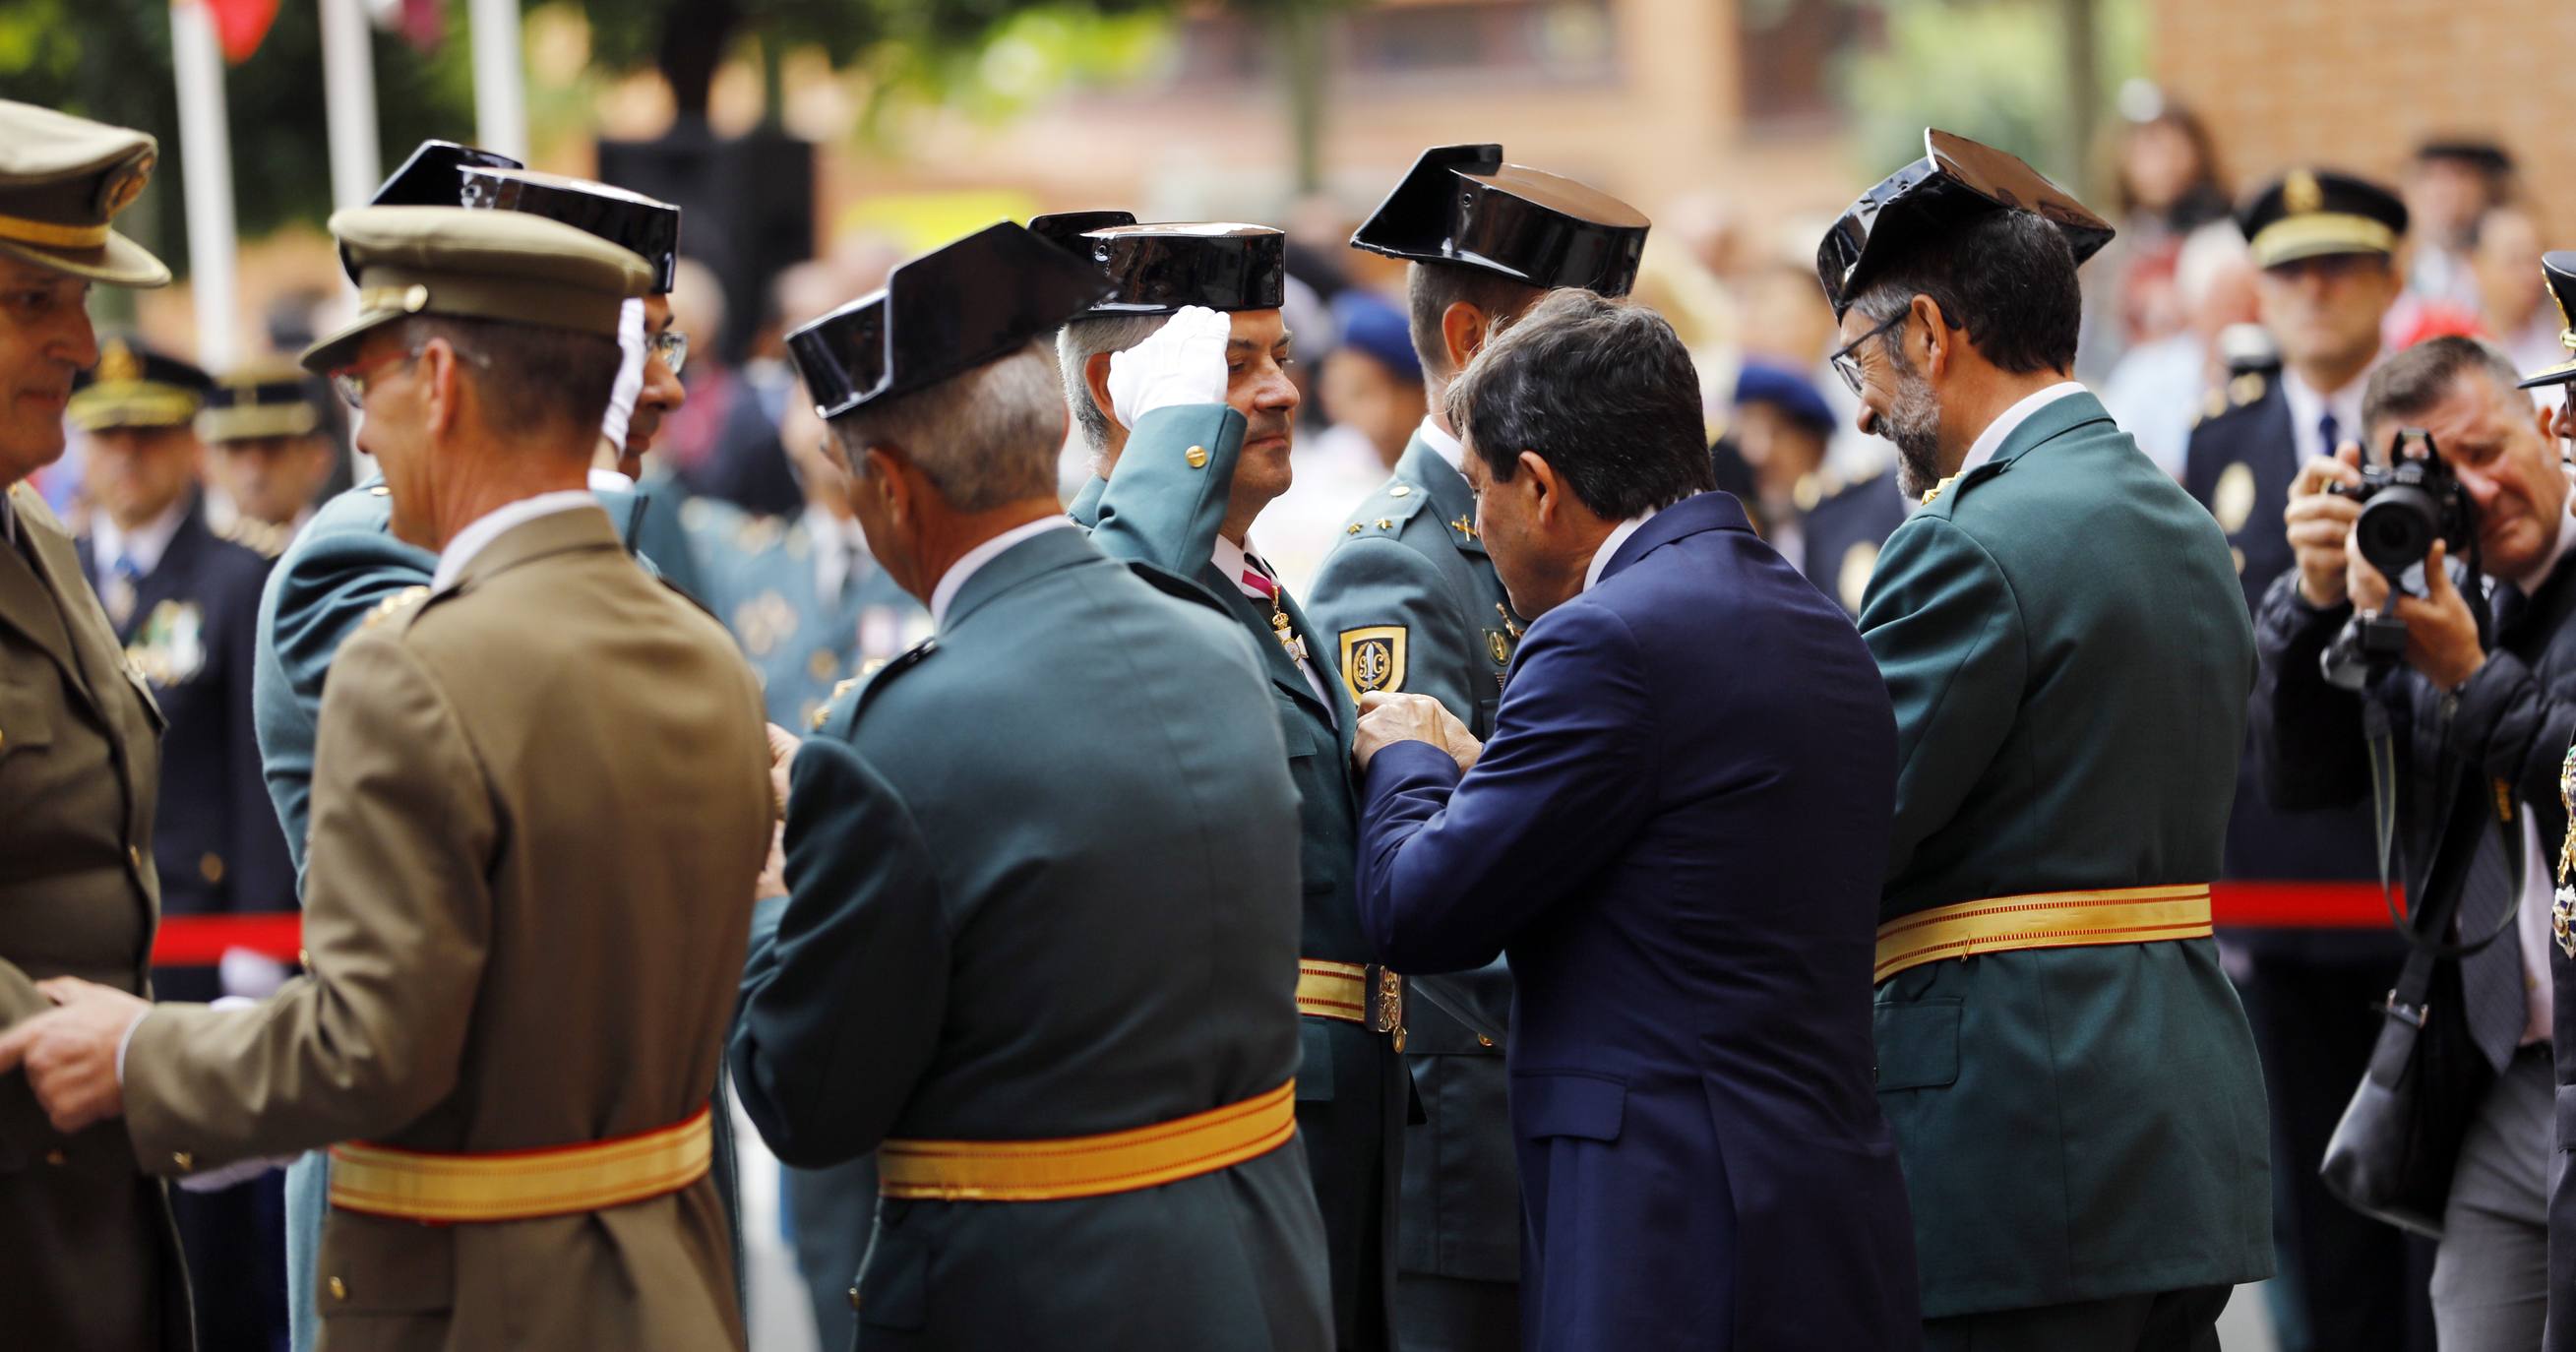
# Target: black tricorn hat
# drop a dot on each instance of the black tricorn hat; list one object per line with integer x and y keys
{"x": 1955, "y": 180}
{"x": 940, "y": 315}
{"x": 2559, "y": 268}
{"x": 433, "y": 176}
{"x": 1158, "y": 269}
{"x": 647, "y": 227}
{"x": 1464, "y": 204}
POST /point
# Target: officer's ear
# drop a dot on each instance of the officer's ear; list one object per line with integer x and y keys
{"x": 1545, "y": 489}
{"x": 1095, "y": 381}
{"x": 1940, "y": 341}
{"x": 884, "y": 473}
{"x": 1463, "y": 332}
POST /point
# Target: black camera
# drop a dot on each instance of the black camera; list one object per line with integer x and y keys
{"x": 2407, "y": 504}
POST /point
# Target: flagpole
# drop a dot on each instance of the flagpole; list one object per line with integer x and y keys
{"x": 500, "y": 83}
{"x": 349, "y": 103}
{"x": 206, "y": 164}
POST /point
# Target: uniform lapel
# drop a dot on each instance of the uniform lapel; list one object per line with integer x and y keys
{"x": 1275, "y": 658}
{"x": 27, "y": 604}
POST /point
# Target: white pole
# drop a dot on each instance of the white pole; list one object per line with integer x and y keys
{"x": 207, "y": 182}
{"x": 500, "y": 85}
{"x": 349, "y": 102}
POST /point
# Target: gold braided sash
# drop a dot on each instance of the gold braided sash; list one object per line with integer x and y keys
{"x": 2119, "y": 915}
{"x": 518, "y": 1185}
{"x": 1089, "y": 1166}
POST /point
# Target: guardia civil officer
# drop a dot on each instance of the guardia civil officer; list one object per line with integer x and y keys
{"x": 2068, "y": 1072}
{"x": 1180, "y": 490}
{"x": 92, "y": 1261}
{"x": 1409, "y": 601}
{"x": 186, "y": 606}
{"x": 2325, "y": 243}
{"x": 1066, "y": 1029}
{"x": 518, "y": 985}
{"x": 357, "y": 552}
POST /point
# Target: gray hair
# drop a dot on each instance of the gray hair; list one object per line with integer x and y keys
{"x": 1075, "y": 346}
{"x": 984, "y": 439}
{"x": 2414, "y": 380}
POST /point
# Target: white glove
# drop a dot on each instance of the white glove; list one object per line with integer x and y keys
{"x": 630, "y": 376}
{"x": 1183, "y": 363}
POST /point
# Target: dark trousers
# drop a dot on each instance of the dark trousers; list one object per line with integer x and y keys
{"x": 2346, "y": 1283}
{"x": 2164, "y": 1321}
{"x": 235, "y": 1241}
{"x": 1454, "y": 1314}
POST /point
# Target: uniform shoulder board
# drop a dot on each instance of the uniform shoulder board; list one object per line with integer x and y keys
{"x": 839, "y": 716}
{"x": 397, "y": 608}
{"x": 1386, "y": 510}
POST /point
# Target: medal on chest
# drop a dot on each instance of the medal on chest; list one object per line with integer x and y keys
{"x": 2562, "y": 910}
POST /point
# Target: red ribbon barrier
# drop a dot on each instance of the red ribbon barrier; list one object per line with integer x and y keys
{"x": 2300, "y": 905}
{"x": 200, "y": 940}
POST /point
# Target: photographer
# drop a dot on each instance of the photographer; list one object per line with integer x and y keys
{"x": 2468, "y": 716}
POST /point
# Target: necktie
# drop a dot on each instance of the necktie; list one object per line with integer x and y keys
{"x": 2491, "y": 979}
{"x": 118, "y": 595}
{"x": 2330, "y": 430}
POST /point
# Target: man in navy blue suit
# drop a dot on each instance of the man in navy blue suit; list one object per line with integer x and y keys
{"x": 1677, "y": 834}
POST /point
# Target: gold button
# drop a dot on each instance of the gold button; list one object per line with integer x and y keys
{"x": 54, "y": 1158}
{"x": 1197, "y": 457}
{"x": 4, "y": 739}
{"x": 339, "y": 1289}
{"x": 134, "y": 855}
{"x": 1383, "y": 523}
{"x": 1484, "y": 1041}
{"x": 854, "y": 1297}
{"x": 212, "y": 866}
{"x": 183, "y": 1160}
{"x": 304, "y": 957}
{"x": 1400, "y": 491}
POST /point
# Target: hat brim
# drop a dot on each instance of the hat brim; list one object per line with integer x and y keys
{"x": 119, "y": 262}
{"x": 256, "y": 422}
{"x": 333, "y": 350}
{"x": 2320, "y": 235}
{"x": 2561, "y": 374}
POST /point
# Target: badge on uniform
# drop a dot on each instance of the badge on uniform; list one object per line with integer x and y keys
{"x": 2233, "y": 500}
{"x": 170, "y": 646}
{"x": 2562, "y": 912}
{"x": 1373, "y": 658}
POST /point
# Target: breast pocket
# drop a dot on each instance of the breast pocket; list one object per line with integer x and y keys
{"x": 26, "y": 716}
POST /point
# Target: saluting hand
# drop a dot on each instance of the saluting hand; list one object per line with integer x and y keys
{"x": 2319, "y": 522}
{"x": 1182, "y": 363}
{"x": 69, "y": 1052}
{"x": 1388, "y": 717}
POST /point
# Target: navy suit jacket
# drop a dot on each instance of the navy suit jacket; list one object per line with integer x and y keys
{"x": 1677, "y": 834}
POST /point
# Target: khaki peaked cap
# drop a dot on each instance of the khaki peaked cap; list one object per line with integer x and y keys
{"x": 62, "y": 179}
{"x": 467, "y": 264}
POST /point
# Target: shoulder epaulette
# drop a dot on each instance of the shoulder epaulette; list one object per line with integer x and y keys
{"x": 1387, "y": 509}
{"x": 839, "y": 716}
{"x": 396, "y": 608}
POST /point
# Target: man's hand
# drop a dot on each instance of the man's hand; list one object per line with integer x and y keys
{"x": 2441, "y": 634}
{"x": 782, "y": 752}
{"x": 69, "y": 1052}
{"x": 2319, "y": 522}
{"x": 1390, "y": 717}
{"x": 772, "y": 881}
{"x": 1183, "y": 363}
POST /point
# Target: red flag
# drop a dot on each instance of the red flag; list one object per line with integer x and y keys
{"x": 241, "y": 24}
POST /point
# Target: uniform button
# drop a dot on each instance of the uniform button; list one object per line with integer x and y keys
{"x": 1197, "y": 456}
{"x": 134, "y": 855}
{"x": 211, "y": 867}
{"x": 54, "y": 1158}
{"x": 304, "y": 957}
{"x": 1400, "y": 491}
{"x": 854, "y": 1297}
{"x": 183, "y": 1160}
{"x": 1484, "y": 1041}
{"x": 339, "y": 1289}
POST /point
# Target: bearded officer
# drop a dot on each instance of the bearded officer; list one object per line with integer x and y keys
{"x": 1409, "y": 601}
{"x": 93, "y": 1262}
{"x": 2071, "y": 1080}
{"x": 1188, "y": 454}
{"x": 518, "y": 989}
{"x": 1143, "y": 895}
{"x": 358, "y": 551}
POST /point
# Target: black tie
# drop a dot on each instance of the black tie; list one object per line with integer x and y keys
{"x": 2328, "y": 428}
{"x": 2491, "y": 979}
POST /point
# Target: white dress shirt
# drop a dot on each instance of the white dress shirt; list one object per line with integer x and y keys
{"x": 492, "y": 525}
{"x": 1992, "y": 439}
{"x": 144, "y": 546}
{"x": 2308, "y": 409}
{"x": 942, "y": 595}
{"x": 1447, "y": 447}
{"x": 1610, "y": 544}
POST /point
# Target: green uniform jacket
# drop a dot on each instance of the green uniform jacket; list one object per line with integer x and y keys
{"x": 1043, "y": 884}
{"x": 1413, "y": 603}
{"x": 757, "y": 574}
{"x": 1352, "y": 1101}
{"x": 2069, "y": 658}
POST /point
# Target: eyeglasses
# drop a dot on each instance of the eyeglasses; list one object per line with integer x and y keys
{"x": 352, "y": 381}
{"x": 672, "y": 346}
{"x": 1847, "y": 365}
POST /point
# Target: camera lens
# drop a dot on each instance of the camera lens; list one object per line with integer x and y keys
{"x": 2397, "y": 528}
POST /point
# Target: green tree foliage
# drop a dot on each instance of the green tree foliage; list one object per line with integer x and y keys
{"x": 1993, "y": 70}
